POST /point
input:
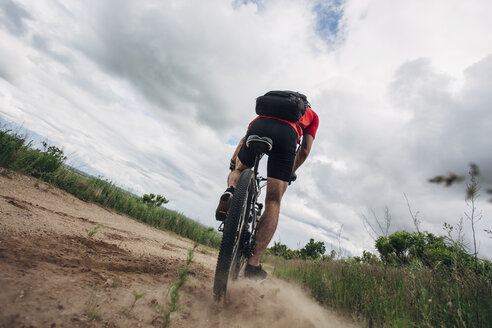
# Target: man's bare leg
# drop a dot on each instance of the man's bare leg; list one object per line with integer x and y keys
{"x": 269, "y": 218}
{"x": 234, "y": 175}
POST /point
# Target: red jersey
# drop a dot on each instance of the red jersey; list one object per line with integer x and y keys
{"x": 308, "y": 123}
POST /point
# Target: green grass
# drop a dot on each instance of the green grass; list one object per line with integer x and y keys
{"x": 91, "y": 306}
{"x": 18, "y": 155}
{"x": 411, "y": 296}
{"x": 174, "y": 290}
{"x": 106, "y": 194}
{"x": 90, "y": 233}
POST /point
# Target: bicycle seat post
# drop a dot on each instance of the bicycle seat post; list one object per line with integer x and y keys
{"x": 260, "y": 146}
{"x": 257, "y": 163}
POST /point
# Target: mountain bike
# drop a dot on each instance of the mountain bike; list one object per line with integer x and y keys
{"x": 239, "y": 227}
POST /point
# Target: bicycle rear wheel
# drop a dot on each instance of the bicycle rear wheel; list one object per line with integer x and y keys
{"x": 231, "y": 255}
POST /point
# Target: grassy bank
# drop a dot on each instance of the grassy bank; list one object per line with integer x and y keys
{"x": 385, "y": 296}
{"x": 46, "y": 164}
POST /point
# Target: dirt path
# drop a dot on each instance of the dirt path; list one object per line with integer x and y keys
{"x": 53, "y": 275}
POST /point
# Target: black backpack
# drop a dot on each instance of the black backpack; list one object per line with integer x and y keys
{"x": 286, "y": 105}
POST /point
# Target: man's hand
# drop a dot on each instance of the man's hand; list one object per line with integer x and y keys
{"x": 303, "y": 152}
{"x": 293, "y": 178}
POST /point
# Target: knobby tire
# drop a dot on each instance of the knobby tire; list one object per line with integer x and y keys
{"x": 236, "y": 217}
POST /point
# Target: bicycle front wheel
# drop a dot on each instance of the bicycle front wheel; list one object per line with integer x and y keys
{"x": 231, "y": 254}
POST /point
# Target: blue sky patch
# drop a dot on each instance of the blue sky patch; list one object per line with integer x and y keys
{"x": 239, "y": 3}
{"x": 233, "y": 141}
{"x": 328, "y": 16}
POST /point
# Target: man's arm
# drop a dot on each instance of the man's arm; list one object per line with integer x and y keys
{"x": 234, "y": 156}
{"x": 303, "y": 153}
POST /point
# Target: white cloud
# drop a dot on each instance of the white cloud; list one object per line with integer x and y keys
{"x": 149, "y": 93}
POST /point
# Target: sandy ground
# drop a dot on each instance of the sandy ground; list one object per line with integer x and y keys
{"x": 53, "y": 275}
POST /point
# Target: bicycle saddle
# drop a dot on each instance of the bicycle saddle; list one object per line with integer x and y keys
{"x": 259, "y": 145}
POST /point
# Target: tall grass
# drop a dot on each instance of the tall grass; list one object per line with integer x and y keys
{"x": 384, "y": 296}
{"x": 105, "y": 193}
{"x": 17, "y": 155}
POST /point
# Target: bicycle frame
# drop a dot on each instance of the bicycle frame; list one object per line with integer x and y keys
{"x": 255, "y": 207}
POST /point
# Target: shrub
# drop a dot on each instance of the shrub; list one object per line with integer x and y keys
{"x": 282, "y": 250}
{"x": 401, "y": 248}
{"x": 154, "y": 200}
{"x": 19, "y": 156}
{"x": 312, "y": 250}
{"x": 10, "y": 145}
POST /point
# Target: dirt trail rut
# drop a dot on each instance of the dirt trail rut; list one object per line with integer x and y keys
{"x": 52, "y": 275}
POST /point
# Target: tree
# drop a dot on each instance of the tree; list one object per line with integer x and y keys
{"x": 154, "y": 200}
{"x": 367, "y": 257}
{"x": 329, "y": 257}
{"x": 279, "y": 249}
{"x": 313, "y": 250}
{"x": 402, "y": 247}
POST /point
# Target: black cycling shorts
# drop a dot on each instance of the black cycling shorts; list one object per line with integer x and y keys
{"x": 282, "y": 156}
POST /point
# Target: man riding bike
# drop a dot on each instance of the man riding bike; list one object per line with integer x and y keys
{"x": 283, "y": 161}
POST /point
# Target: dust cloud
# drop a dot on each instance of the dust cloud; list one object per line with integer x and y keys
{"x": 271, "y": 303}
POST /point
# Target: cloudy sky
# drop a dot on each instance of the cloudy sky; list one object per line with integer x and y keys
{"x": 153, "y": 95}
